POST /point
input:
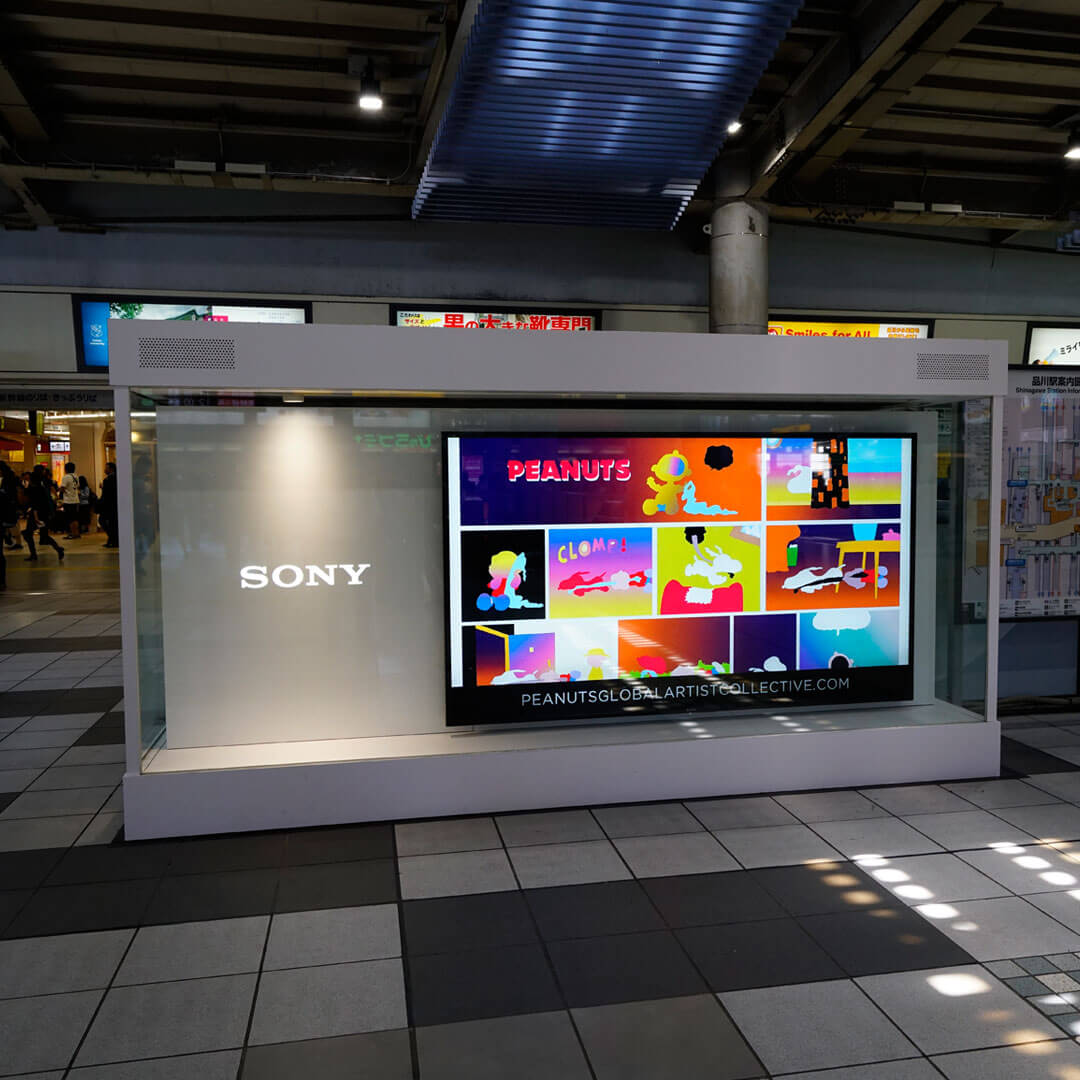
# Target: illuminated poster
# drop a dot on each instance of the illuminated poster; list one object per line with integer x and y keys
{"x": 479, "y": 320}
{"x": 593, "y": 576}
{"x": 782, "y": 327}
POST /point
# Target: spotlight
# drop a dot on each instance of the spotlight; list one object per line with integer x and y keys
{"x": 1072, "y": 147}
{"x": 734, "y": 127}
{"x": 371, "y": 99}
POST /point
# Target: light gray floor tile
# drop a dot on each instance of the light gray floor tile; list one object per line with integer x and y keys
{"x": 1005, "y": 969}
{"x": 60, "y": 964}
{"x": 685, "y": 1037}
{"x": 195, "y": 950}
{"x": 56, "y": 738}
{"x": 374, "y": 1055}
{"x": 1001, "y": 929}
{"x": 102, "y": 830}
{"x": 36, "y": 758}
{"x": 69, "y": 776}
{"x": 814, "y": 1026}
{"x": 650, "y": 819}
{"x": 109, "y": 754}
{"x": 567, "y": 864}
{"x": 62, "y": 721}
{"x": 539, "y": 1046}
{"x": 875, "y": 836}
{"x": 990, "y": 794}
{"x": 779, "y": 845}
{"x": 319, "y": 1002}
{"x": 333, "y": 936}
{"x": 1034, "y": 1061}
{"x": 740, "y": 813}
{"x": 38, "y": 1033}
{"x": 554, "y": 827}
{"x": 134, "y": 1021}
{"x": 917, "y": 799}
{"x": 446, "y": 835}
{"x": 50, "y": 832}
{"x": 830, "y": 806}
{"x": 10, "y": 723}
{"x": 1062, "y": 785}
{"x": 1035, "y": 868}
{"x": 57, "y": 803}
{"x": 916, "y": 1069}
{"x": 926, "y": 879}
{"x": 970, "y": 829}
{"x": 684, "y": 853}
{"x": 1050, "y": 823}
{"x": 1044, "y": 737}
{"x": 217, "y": 1065}
{"x": 455, "y": 874}
{"x": 1063, "y": 906}
{"x": 1070, "y": 754}
{"x": 960, "y": 1008}
{"x": 17, "y": 779}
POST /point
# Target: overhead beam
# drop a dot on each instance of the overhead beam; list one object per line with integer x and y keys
{"x": 1053, "y": 94}
{"x": 30, "y": 203}
{"x": 22, "y": 126}
{"x": 1014, "y": 223}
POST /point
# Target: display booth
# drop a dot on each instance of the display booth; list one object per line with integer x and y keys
{"x": 371, "y": 573}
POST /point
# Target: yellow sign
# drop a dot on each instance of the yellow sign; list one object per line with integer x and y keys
{"x": 786, "y": 328}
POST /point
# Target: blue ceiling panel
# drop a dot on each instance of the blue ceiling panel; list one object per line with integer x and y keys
{"x": 582, "y": 112}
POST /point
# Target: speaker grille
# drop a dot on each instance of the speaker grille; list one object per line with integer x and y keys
{"x": 970, "y": 366}
{"x": 160, "y": 353}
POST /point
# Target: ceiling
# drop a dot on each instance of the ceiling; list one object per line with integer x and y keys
{"x": 869, "y": 112}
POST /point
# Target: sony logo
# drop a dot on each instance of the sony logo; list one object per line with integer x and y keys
{"x": 289, "y": 575}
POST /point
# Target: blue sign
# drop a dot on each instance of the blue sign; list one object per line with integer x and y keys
{"x": 95, "y": 333}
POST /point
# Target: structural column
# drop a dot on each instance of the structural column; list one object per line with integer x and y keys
{"x": 739, "y": 268}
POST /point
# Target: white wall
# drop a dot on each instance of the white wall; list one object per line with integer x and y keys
{"x": 37, "y": 333}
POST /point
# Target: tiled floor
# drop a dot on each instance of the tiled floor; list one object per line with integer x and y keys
{"x": 903, "y": 933}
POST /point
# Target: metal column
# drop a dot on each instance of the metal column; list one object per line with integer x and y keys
{"x": 739, "y": 268}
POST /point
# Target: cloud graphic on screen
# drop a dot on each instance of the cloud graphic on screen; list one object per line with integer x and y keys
{"x": 842, "y": 620}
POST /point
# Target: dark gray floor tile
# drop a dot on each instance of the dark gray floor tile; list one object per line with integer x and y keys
{"x": 197, "y": 897}
{"x": 741, "y": 956}
{"x": 453, "y": 923}
{"x": 451, "y": 987}
{"x": 584, "y": 911}
{"x": 823, "y": 888}
{"x": 67, "y": 909}
{"x": 12, "y": 901}
{"x": 705, "y": 899}
{"x": 110, "y": 862}
{"x": 208, "y": 855}
{"x": 38, "y": 1033}
{"x": 27, "y": 869}
{"x": 347, "y": 844}
{"x": 305, "y": 888}
{"x": 627, "y": 967}
{"x": 375, "y": 1055}
{"x": 214, "y": 1065}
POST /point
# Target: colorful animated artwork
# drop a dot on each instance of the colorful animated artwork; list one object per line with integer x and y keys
{"x": 611, "y": 575}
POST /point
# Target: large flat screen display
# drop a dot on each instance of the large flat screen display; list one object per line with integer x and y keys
{"x": 593, "y": 576}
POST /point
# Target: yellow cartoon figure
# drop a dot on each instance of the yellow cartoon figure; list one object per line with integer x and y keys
{"x": 596, "y": 658}
{"x": 672, "y": 470}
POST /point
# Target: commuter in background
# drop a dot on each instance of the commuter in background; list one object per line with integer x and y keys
{"x": 69, "y": 501}
{"x": 38, "y": 511}
{"x": 9, "y": 502}
{"x": 87, "y": 502}
{"x": 107, "y": 506}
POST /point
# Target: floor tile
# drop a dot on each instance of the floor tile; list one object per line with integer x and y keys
{"x": 707, "y": 899}
{"x": 1061, "y": 785}
{"x": 78, "y": 776}
{"x": 912, "y": 1069}
{"x": 23, "y": 739}
{"x": 647, "y": 819}
{"x": 215, "y": 1065}
{"x": 583, "y": 911}
{"x": 1063, "y": 906}
{"x": 446, "y": 988}
{"x": 446, "y": 835}
{"x": 1002, "y": 929}
{"x": 781, "y": 845}
{"x": 917, "y": 799}
{"x": 1004, "y": 969}
{"x": 1054, "y": 822}
{"x": 875, "y": 836}
{"x": 216, "y": 854}
{"x": 68, "y": 909}
{"x": 130, "y": 1024}
{"x": 1035, "y": 868}
{"x": 967, "y": 830}
{"x": 305, "y": 888}
{"x": 39, "y": 1033}
{"x": 201, "y": 897}
{"x": 333, "y": 936}
{"x": 924, "y": 879}
{"x": 814, "y": 1026}
{"x": 349, "y": 844}
{"x": 1033, "y": 1061}
{"x": 109, "y": 754}
{"x": 320, "y": 1002}
{"x": 57, "y": 965}
{"x": 883, "y": 939}
{"x": 740, "y": 813}
{"x": 822, "y": 887}
{"x": 1026, "y": 986}
{"x": 537, "y": 1046}
{"x": 740, "y": 956}
{"x": 1036, "y": 965}
{"x": 22, "y": 834}
{"x": 30, "y": 759}
{"x": 686, "y": 1037}
{"x": 960, "y": 1008}
{"x": 376, "y": 1055}
{"x": 548, "y": 865}
{"x": 27, "y": 869}
{"x": 1044, "y": 737}
{"x": 553, "y": 827}
{"x": 456, "y": 874}
{"x": 454, "y": 923}
{"x": 12, "y": 901}
{"x": 624, "y": 967}
{"x": 194, "y": 950}
{"x": 37, "y": 804}
{"x": 686, "y": 853}
{"x": 830, "y": 806}
{"x": 115, "y": 863}
{"x": 103, "y": 829}
{"x": 60, "y": 721}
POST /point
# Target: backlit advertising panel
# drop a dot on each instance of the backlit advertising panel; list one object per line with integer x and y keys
{"x": 622, "y": 575}
{"x": 783, "y": 327}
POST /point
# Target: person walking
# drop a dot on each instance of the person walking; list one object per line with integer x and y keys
{"x": 69, "y": 501}
{"x": 9, "y": 516}
{"x": 38, "y": 512}
{"x": 87, "y": 502}
{"x": 107, "y": 506}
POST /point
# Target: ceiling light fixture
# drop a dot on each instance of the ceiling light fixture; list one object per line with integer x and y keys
{"x": 1072, "y": 147}
{"x": 371, "y": 99}
{"x": 734, "y": 127}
